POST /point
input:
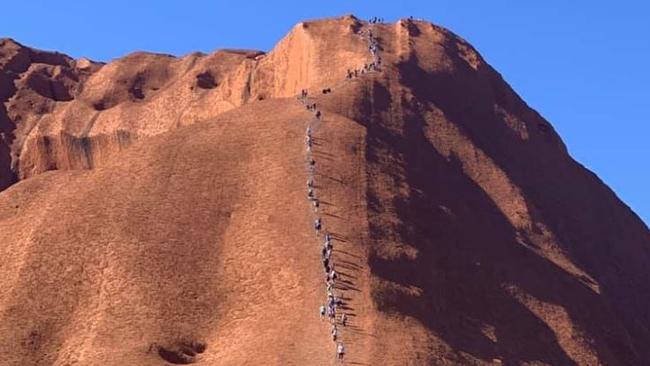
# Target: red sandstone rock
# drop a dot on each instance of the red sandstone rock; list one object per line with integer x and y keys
{"x": 159, "y": 213}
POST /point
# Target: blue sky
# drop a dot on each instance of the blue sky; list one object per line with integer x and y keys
{"x": 584, "y": 65}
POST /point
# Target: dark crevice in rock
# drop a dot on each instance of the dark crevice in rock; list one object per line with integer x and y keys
{"x": 182, "y": 353}
{"x": 205, "y": 80}
{"x": 136, "y": 89}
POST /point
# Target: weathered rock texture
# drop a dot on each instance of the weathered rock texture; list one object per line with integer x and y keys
{"x": 155, "y": 212}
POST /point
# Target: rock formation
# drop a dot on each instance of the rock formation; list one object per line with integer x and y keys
{"x": 153, "y": 211}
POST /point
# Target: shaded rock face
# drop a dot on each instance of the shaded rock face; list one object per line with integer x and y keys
{"x": 156, "y": 214}
{"x": 33, "y": 84}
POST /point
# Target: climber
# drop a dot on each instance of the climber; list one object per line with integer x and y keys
{"x": 317, "y": 224}
{"x": 316, "y": 203}
{"x": 330, "y": 287}
{"x": 334, "y": 332}
{"x": 340, "y": 351}
{"x": 344, "y": 319}
{"x": 332, "y": 300}
{"x": 328, "y": 242}
{"x": 317, "y": 114}
{"x": 310, "y": 183}
{"x": 333, "y": 274}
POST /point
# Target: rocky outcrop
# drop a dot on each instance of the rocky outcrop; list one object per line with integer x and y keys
{"x": 70, "y": 114}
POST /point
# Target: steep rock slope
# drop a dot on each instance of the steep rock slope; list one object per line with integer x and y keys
{"x": 464, "y": 232}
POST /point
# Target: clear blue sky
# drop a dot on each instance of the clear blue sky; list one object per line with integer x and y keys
{"x": 584, "y": 65}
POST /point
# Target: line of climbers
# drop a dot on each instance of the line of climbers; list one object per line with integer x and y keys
{"x": 373, "y": 47}
{"x": 334, "y": 302}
